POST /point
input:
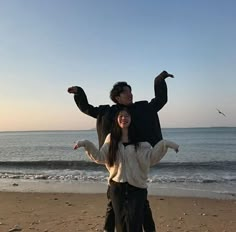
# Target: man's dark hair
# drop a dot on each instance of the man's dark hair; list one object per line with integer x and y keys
{"x": 118, "y": 89}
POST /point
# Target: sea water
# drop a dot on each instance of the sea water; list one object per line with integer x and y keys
{"x": 205, "y": 165}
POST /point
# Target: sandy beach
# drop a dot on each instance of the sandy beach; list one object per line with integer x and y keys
{"x": 69, "y": 212}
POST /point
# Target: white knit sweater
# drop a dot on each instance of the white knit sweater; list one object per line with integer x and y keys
{"x": 131, "y": 166}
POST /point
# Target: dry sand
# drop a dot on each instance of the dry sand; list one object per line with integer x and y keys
{"x": 70, "y": 212}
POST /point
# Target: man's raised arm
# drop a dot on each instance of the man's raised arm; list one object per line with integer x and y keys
{"x": 160, "y": 89}
{"x": 82, "y": 101}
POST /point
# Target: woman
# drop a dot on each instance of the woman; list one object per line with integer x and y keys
{"x": 128, "y": 163}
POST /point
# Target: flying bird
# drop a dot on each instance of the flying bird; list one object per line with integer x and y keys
{"x": 220, "y": 112}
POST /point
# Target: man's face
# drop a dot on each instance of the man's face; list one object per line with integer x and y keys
{"x": 125, "y": 97}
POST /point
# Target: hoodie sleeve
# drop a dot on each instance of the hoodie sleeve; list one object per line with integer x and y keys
{"x": 83, "y": 104}
{"x": 160, "y": 149}
{"x": 160, "y": 89}
{"x": 96, "y": 155}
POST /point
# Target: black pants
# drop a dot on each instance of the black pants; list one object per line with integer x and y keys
{"x": 131, "y": 206}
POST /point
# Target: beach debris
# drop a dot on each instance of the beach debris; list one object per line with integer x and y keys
{"x": 35, "y": 222}
{"x": 68, "y": 203}
{"x": 15, "y": 228}
{"x": 15, "y": 184}
{"x": 93, "y": 227}
{"x": 202, "y": 214}
{"x": 203, "y": 225}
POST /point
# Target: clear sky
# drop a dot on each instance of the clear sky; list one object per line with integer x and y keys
{"x": 48, "y": 46}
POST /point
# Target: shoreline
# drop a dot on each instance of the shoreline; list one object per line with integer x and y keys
{"x": 170, "y": 190}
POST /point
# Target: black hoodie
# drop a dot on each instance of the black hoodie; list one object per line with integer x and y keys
{"x": 143, "y": 113}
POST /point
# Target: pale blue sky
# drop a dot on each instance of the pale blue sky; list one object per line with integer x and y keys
{"x": 47, "y": 46}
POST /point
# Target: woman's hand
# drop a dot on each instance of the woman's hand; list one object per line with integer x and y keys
{"x": 177, "y": 149}
{"x": 78, "y": 145}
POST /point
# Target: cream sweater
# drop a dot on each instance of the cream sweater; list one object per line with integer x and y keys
{"x": 131, "y": 166}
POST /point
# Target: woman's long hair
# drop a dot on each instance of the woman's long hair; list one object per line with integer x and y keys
{"x": 116, "y": 135}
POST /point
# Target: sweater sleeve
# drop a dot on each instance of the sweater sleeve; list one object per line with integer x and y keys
{"x": 160, "y": 89}
{"x": 83, "y": 104}
{"x": 160, "y": 149}
{"x": 95, "y": 154}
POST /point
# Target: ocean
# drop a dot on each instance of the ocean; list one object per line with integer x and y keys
{"x": 205, "y": 165}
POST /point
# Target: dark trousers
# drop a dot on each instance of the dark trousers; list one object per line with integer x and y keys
{"x": 131, "y": 208}
{"x": 110, "y": 216}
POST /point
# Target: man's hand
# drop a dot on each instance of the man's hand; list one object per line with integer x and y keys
{"x": 166, "y": 74}
{"x": 163, "y": 75}
{"x": 170, "y": 75}
{"x": 72, "y": 89}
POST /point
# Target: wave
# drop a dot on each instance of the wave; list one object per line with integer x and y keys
{"x": 103, "y": 177}
{"x": 209, "y": 165}
{"x": 165, "y": 172}
{"x": 197, "y": 179}
{"x": 88, "y": 165}
{"x": 55, "y": 164}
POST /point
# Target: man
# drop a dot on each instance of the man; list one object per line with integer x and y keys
{"x": 144, "y": 116}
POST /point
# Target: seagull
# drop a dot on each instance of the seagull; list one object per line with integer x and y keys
{"x": 221, "y": 112}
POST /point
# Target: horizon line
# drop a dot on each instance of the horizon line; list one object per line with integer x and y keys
{"x": 94, "y": 129}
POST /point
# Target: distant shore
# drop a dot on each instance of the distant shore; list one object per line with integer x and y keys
{"x": 94, "y": 129}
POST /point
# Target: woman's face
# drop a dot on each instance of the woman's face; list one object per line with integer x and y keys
{"x": 124, "y": 119}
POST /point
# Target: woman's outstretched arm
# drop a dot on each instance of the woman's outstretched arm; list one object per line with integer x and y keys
{"x": 96, "y": 155}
